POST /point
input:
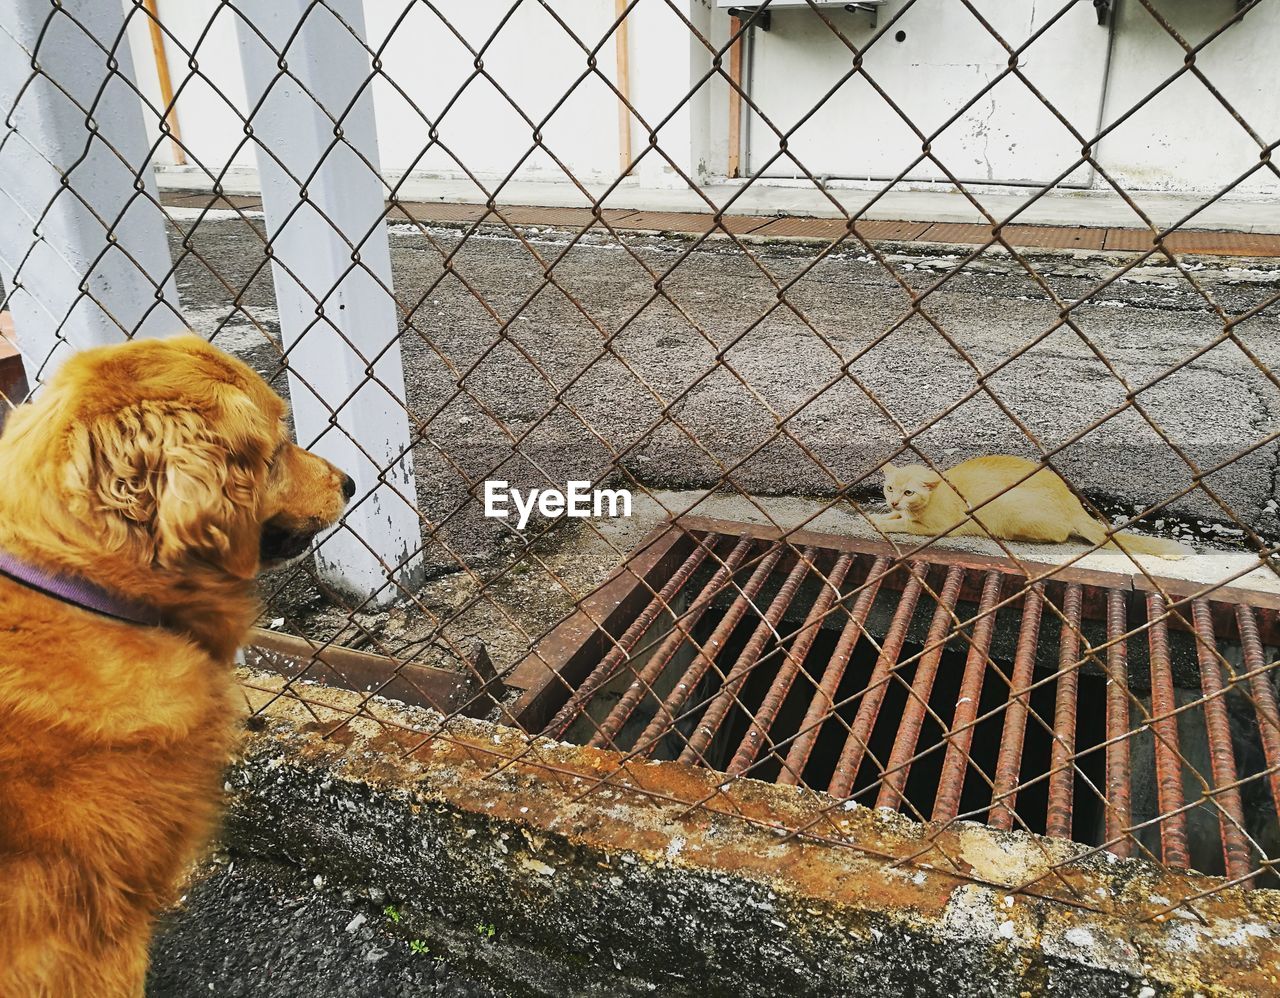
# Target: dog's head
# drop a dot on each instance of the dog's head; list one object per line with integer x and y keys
{"x": 175, "y": 455}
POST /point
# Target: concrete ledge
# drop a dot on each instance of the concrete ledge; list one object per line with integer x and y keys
{"x": 933, "y": 201}
{"x": 715, "y": 901}
{"x": 1097, "y": 238}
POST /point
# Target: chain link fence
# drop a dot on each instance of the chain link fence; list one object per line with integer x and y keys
{"x": 716, "y": 374}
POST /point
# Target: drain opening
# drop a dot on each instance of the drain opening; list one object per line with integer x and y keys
{"x": 940, "y": 690}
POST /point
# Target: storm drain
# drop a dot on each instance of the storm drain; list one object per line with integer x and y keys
{"x": 1133, "y": 714}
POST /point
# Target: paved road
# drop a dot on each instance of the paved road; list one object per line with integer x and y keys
{"x": 726, "y": 367}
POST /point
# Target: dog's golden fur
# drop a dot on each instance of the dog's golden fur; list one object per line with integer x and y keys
{"x": 149, "y": 469}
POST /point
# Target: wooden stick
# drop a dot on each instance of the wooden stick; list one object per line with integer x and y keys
{"x": 624, "y": 86}
{"x": 735, "y": 100}
{"x": 166, "y": 82}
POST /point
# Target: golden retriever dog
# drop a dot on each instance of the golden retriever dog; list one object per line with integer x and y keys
{"x": 140, "y": 493}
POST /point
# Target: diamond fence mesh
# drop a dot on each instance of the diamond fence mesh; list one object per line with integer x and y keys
{"x": 1132, "y": 709}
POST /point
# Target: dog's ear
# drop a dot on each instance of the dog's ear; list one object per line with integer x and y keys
{"x": 175, "y": 484}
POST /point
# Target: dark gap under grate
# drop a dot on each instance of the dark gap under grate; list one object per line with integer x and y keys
{"x": 1085, "y": 707}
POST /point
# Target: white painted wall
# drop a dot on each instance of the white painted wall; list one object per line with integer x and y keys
{"x": 210, "y": 97}
{"x": 1185, "y": 137}
{"x": 534, "y": 60}
{"x": 1182, "y": 141}
{"x": 935, "y": 60}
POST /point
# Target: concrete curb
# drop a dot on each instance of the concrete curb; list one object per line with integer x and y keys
{"x": 706, "y": 902}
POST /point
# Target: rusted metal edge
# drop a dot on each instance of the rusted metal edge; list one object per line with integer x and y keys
{"x": 565, "y": 655}
{"x": 473, "y": 693}
{"x": 1125, "y": 582}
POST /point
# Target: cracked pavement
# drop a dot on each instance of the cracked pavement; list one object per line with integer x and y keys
{"x": 611, "y": 359}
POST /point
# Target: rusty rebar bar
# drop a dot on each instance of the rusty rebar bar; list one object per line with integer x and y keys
{"x": 758, "y": 731}
{"x": 653, "y": 668}
{"x": 1236, "y": 854}
{"x": 1009, "y": 761}
{"x": 1164, "y": 724}
{"x": 1062, "y": 771}
{"x": 822, "y": 706}
{"x": 898, "y": 768}
{"x": 1119, "y": 809}
{"x": 864, "y": 722}
{"x": 704, "y": 658}
{"x": 619, "y": 654}
{"x": 955, "y": 764}
{"x": 1264, "y": 698}
{"x": 725, "y": 697}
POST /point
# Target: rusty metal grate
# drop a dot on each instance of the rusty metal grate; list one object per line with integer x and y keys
{"x": 1067, "y": 702}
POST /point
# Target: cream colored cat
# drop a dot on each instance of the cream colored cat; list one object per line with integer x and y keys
{"x": 1041, "y": 508}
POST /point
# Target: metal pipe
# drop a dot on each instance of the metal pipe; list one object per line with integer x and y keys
{"x": 1009, "y": 761}
{"x": 960, "y": 738}
{"x": 893, "y": 786}
{"x": 758, "y": 732}
{"x": 1172, "y": 820}
{"x": 1062, "y": 772}
{"x": 822, "y": 705}
{"x": 619, "y": 653}
{"x": 653, "y": 668}
{"x": 864, "y": 722}
{"x": 1236, "y": 855}
{"x": 725, "y": 697}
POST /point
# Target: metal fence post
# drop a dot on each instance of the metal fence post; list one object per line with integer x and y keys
{"x": 83, "y": 252}
{"x": 306, "y": 74}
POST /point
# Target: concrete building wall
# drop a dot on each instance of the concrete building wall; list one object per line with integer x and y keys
{"x": 1185, "y": 138}
{"x": 932, "y": 62}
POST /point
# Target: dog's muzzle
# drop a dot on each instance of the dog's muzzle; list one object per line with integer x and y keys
{"x": 281, "y": 544}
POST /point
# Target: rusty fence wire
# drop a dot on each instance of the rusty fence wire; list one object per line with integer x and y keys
{"x": 1132, "y": 710}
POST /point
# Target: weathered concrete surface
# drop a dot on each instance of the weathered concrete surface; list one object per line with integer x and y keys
{"x": 249, "y": 927}
{"x": 679, "y": 394}
{"x": 715, "y": 901}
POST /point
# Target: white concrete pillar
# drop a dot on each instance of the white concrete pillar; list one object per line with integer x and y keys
{"x": 668, "y": 61}
{"x": 337, "y": 320}
{"x": 84, "y": 263}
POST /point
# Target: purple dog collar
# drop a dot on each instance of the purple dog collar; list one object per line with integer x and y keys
{"x": 78, "y": 592}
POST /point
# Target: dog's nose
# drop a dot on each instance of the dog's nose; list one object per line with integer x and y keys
{"x": 348, "y": 486}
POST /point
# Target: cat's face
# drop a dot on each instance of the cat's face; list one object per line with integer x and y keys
{"x": 908, "y": 490}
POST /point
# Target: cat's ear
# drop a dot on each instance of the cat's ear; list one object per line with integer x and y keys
{"x": 887, "y": 468}
{"x": 930, "y": 480}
